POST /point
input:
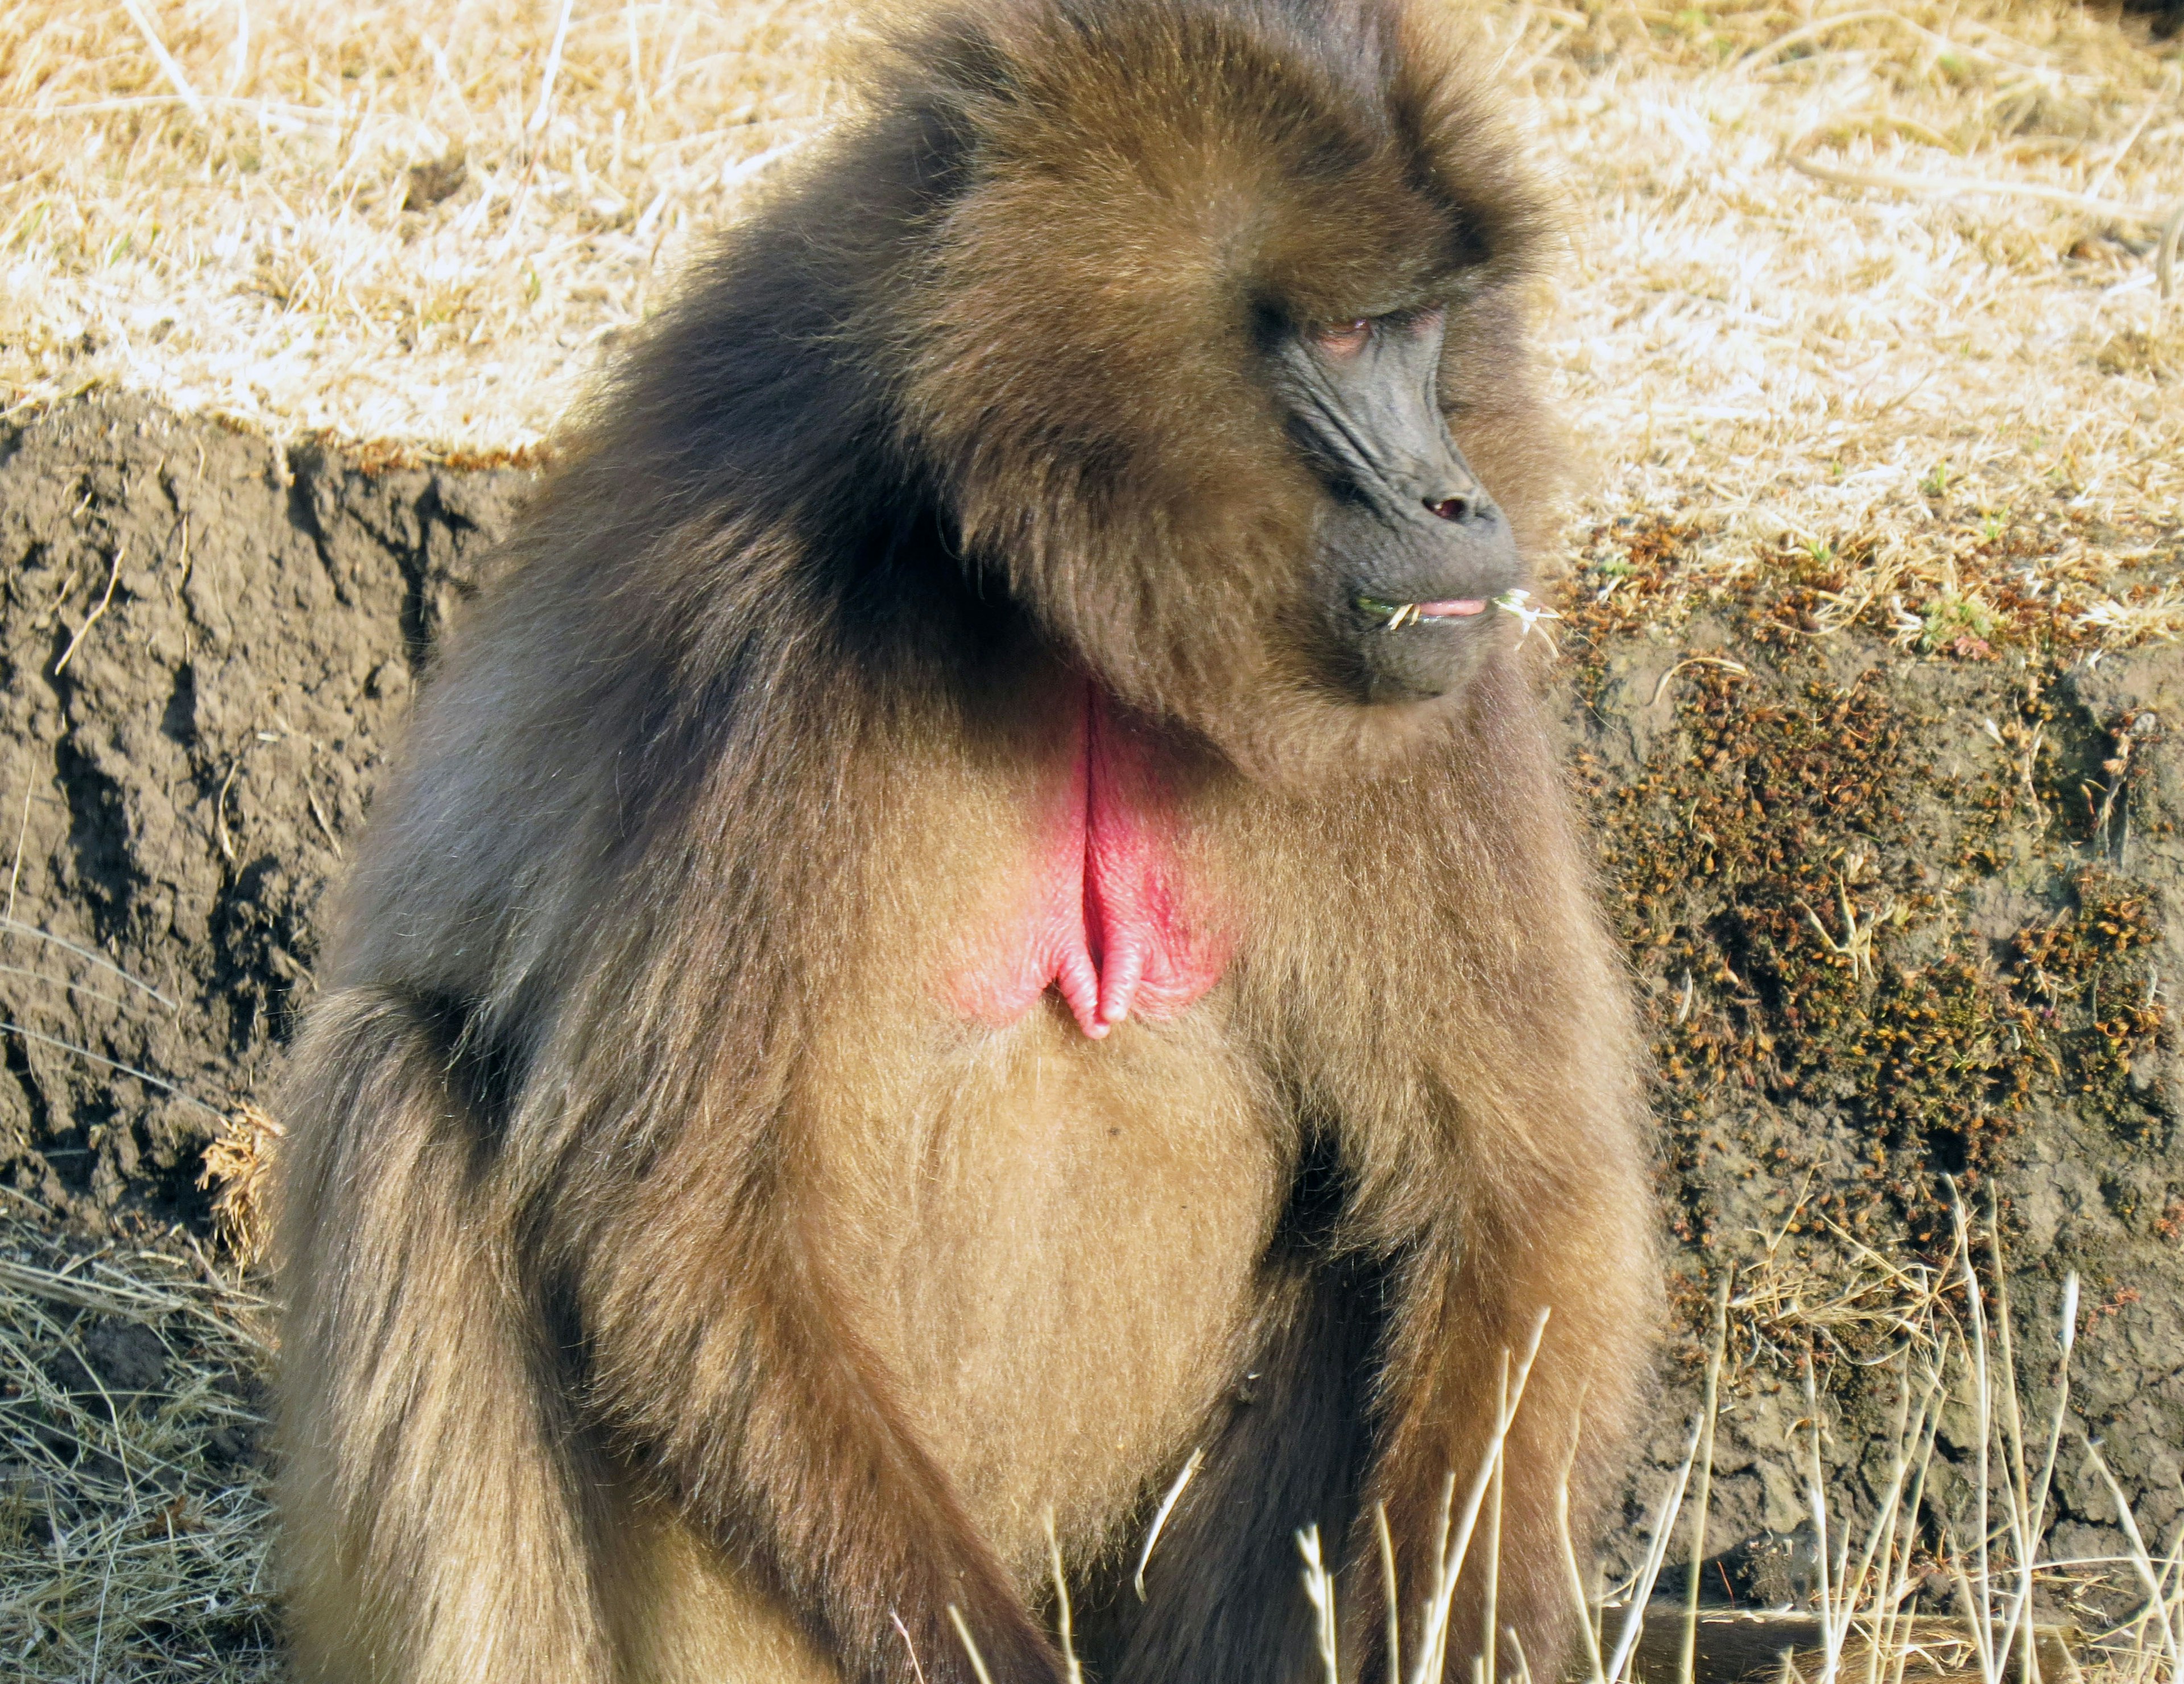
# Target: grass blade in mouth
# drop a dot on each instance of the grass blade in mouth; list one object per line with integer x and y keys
{"x": 1394, "y": 614}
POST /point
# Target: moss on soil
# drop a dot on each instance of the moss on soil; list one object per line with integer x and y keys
{"x": 1897, "y": 883}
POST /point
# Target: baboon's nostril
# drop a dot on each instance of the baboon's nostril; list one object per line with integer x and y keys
{"x": 1451, "y": 508}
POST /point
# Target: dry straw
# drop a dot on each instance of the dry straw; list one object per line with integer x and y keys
{"x": 1978, "y": 1526}
{"x": 1878, "y": 283}
{"x": 134, "y": 1524}
{"x": 415, "y": 221}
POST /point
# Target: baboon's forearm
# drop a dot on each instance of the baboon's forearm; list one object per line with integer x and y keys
{"x": 778, "y": 1437}
{"x": 1466, "y": 1316}
{"x": 431, "y": 1521}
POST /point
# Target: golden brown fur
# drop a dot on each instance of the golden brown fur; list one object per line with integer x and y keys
{"x": 679, "y": 1287}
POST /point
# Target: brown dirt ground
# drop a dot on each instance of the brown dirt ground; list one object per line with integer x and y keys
{"x": 205, "y": 642}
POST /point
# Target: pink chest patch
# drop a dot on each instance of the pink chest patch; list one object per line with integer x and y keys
{"x": 1104, "y": 922}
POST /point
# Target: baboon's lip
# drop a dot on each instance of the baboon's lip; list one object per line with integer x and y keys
{"x": 1395, "y": 615}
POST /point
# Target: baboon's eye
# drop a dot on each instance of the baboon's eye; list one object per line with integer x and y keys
{"x": 1342, "y": 339}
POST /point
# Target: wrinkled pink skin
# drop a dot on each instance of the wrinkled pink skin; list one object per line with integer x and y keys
{"x": 1104, "y": 923}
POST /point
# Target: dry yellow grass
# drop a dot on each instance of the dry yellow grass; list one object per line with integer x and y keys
{"x": 1879, "y": 281}
{"x": 1824, "y": 253}
{"x": 134, "y": 1523}
{"x": 206, "y": 200}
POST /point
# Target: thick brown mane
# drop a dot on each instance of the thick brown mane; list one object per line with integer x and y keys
{"x": 1046, "y": 245}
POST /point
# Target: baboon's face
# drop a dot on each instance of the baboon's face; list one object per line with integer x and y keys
{"x": 1175, "y": 358}
{"x": 1412, "y": 551}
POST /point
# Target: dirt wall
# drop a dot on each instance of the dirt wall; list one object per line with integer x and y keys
{"x": 1902, "y": 896}
{"x": 206, "y": 642}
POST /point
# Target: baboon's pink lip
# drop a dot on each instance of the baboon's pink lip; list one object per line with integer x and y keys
{"x": 1455, "y": 608}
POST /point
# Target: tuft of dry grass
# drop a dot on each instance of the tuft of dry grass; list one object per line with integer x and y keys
{"x": 134, "y": 1518}
{"x": 1850, "y": 1302}
{"x": 1970, "y": 1518}
{"x": 238, "y": 1169}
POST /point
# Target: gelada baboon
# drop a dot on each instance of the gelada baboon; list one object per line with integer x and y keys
{"x": 985, "y": 915}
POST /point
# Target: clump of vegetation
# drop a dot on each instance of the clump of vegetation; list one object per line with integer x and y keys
{"x": 1789, "y": 863}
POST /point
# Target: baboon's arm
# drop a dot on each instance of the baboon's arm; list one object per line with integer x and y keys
{"x": 1564, "y": 1231}
{"x": 719, "y": 1357}
{"x": 431, "y": 1508}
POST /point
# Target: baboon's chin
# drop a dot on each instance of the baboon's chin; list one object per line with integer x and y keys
{"x": 1308, "y": 743}
{"x": 1401, "y": 665}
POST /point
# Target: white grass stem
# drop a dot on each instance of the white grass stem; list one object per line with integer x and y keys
{"x": 1596, "y": 1674}
{"x": 1160, "y": 1518}
{"x": 144, "y": 1076}
{"x": 1687, "y": 1657}
{"x": 1319, "y": 1591}
{"x": 2173, "y": 1606}
{"x": 1816, "y": 1497}
{"x": 1980, "y": 1594}
{"x": 1950, "y": 187}
{"x": 239, "y": 59}
{"x": 1388, "y": 1584}
{"x": 1975, "y": 1612}
{"x": 1432, "y": 1656}
{"x": 735, "y": 175}
{"x": 1880, "y": 1546}
{"x": 1064, "y": 1620}
{"x": 540, "y": 117}
{"x": 112, "y": 573}
{"x": 916, "y": 1668}
{"x": 1642, "y": 1590}
{"x": 100, "y": 960}
{"x": 970, "y": 1647}
{"x": 64, "y": 986}
{"x": 2024, "y": 1524}
{"x": 2141, "y": 1558}
{"x": 15, "y": 872}
{"x": 1492, "y": 1600}
{"x": 1923, "y": 1462}
{"x": 166, "y": 60}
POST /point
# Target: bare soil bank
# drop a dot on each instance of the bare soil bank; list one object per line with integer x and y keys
{"x": 1904, "y": 903}
{"x": 207, "y": 642}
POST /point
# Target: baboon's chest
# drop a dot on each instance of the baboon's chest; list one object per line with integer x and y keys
{"x": 1053, "y": 1247}
{"x": 1102, "y": 910}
